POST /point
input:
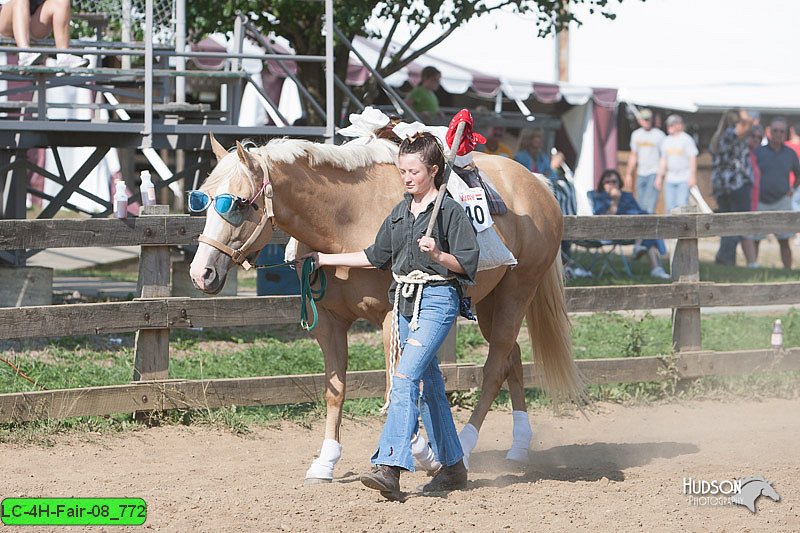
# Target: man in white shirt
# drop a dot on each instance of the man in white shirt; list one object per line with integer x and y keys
{"x": 644, "y": 157}
{"x": 677, "y": 168}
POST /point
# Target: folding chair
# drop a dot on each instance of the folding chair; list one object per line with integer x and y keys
{"x": 603, "y": 252}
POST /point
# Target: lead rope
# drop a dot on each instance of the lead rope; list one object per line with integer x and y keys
{"x": 407, "y": 285}
{"x": 308, "y": 277}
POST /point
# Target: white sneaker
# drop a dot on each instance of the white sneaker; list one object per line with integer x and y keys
{"x": 71, "y": 61}
{"x": 658, "y": 272}
{"x": 27, "y": 59}
{"x": 753, "y": 265}
{"x": 581, "y": 272}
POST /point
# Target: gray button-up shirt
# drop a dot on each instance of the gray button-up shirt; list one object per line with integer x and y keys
{"x": 396, "y": 244}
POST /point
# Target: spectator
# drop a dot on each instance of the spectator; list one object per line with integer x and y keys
{"x": 728, "y": 119}
{"x": 422, "y": 98}
{"x": 644, "y": 157}
{"x": 494, "y": 143}
{"x": 23, "y": 19}
{"x": 776, "y": 161}
{"x": 732, "y": 183}
{"x": 677, "y": 168}
{"x": 753, "y": 142}
{"x": 609, "y": 199}
{"x": 794, "y": 144}
{"x": 564, "y": 191}
{"x": 531, "y": 154}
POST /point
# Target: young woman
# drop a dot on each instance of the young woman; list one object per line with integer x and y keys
{"x": 428, "y": 273}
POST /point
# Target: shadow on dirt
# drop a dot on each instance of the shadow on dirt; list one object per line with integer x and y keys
{"x": 575, "y": 462}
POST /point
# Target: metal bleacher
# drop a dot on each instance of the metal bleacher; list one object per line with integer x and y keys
{"x": 139, "y": 109}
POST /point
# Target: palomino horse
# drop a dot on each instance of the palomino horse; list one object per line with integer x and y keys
{"x": 333, "y": 199}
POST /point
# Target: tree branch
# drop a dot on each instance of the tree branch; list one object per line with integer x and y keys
{"x": 388, "y": 40}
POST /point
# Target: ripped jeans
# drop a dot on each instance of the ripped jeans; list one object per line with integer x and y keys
{"x": 438, "y": 311}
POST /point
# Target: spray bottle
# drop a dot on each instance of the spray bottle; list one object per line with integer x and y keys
{"x": 120, "y": 200}
{"x": 148, "y": 190}
{"x": 777, "y": 335}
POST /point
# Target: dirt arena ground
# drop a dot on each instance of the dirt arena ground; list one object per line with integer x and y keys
{"x": 621, "y": 470}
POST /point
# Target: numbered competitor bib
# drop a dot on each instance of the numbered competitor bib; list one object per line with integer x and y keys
{"x": 473, "y": 200}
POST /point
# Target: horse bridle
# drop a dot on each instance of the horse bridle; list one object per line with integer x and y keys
{"x": 239, "y": 255}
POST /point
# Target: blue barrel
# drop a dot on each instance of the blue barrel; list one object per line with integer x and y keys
{"x": 280, "y": 281}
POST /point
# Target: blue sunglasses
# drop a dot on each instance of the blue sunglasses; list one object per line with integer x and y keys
{"x": 231, "y": 208}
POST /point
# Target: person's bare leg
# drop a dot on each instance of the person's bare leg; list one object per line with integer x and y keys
{"x": 749, "y": 249}
{"x": 756, "y": 245}
{"x": 53, "y": 16}
{"x": 786, "y": 253}
{"x": 7, "y": 20}
{"x": 652, "y": 255}
{"x": 15, "y": 21}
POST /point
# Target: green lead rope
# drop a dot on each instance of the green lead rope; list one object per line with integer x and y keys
{"x": 308, "y": 295}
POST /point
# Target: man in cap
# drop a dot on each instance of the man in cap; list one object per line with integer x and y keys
{"x": 677, "y": 168}
{"x": 644, "y": 158}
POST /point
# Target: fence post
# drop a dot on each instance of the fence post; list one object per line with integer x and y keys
{"x": 685, "y": 267}
{"x": 151, "y": 360}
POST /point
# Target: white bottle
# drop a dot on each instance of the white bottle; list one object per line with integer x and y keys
{"x": 148, "y": 190}
{"x": 120, "y": 200}
{"x": 777, "y": 335}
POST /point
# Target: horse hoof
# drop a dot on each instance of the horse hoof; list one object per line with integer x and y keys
{"x": 518, "y": 455}
{"x": 316, "y": 481}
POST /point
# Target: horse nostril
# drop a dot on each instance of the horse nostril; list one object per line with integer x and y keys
{"x": 209, "y": 275}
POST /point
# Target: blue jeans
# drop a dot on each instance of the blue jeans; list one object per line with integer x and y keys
{"x": 658, "y": 243}
{"x": 438, "y": 311}
{"x": 675, "y": 195}
{"x": 646, "y": 192}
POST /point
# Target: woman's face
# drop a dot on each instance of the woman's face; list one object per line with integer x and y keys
{"x": 611, "y": 183}
{"x": 417, "y": 177}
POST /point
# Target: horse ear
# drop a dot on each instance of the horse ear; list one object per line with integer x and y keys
{"x": 247, "y": 159}
{"x": 217, "y": 148}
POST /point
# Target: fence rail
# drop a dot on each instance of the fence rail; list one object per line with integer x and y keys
{"x": 154, "y": 314}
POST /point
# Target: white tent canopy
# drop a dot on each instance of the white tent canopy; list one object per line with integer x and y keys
{"x": 778, "y": 97}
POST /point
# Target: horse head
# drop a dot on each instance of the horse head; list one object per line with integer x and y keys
{"x": 237, "y": 198}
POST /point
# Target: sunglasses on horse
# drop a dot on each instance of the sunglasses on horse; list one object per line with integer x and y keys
{"x": 229, "y": 207}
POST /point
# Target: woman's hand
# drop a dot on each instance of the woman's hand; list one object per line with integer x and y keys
{"x": 428, "y": 245}
{"x": 314, "y": 256}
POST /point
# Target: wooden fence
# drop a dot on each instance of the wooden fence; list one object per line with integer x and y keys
{"x": 154, "y": 314}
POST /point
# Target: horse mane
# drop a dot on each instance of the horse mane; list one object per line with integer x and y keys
{"x": 351, "y": 156}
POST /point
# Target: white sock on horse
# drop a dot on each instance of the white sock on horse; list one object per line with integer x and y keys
{"x": 322, "y": 467}
{"x": 522, "y": 435}
{"x": 424, "y": 454}
{"x": 468, "y": 437}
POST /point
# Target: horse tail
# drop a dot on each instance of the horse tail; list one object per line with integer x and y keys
{"x": 551, "y": 342}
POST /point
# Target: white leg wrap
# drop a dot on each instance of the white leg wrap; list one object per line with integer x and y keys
{"x": 424, "y": 454}
{"x": 522, "y": 435}
{"x": 322, "y": 467}
{"x": 469, "y": 439}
